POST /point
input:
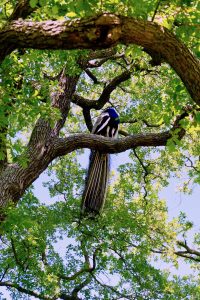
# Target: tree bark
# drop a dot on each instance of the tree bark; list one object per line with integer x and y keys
{"x": 104, "y": 31}
{"x": 44, "y": 148}
{"x": 15, "y": 178}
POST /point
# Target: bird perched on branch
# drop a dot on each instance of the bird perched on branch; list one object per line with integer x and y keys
{"x": 98, "y": 171}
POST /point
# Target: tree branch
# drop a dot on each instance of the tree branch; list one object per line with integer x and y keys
{"x": 103, "y": 32}
{"x": 22, "y": 10}
{"x": 92, "y": 76}
{"x": 4, "y": 273}
{"x": 79, "y": 287}
{"x": 156, "y": 10}
{"x": 62, "y": 98}
{"x": 3, "y": 148}
{"x": 44, "y": 147}
{"x": 24, "y": 290}
{"x": 105, "y": 95}
{"x": 96, "y": 58}
{"x": 143, "y": 120}
{"x": 107, "y": 145}
{"x": 189, "y": 252}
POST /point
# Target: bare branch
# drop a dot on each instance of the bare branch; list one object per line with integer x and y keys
{"x": 191, "y": 164}
{"x": 89, "y": 73}
{"x": 4, "y": 273}
{"x": 105, "y": 96}
{"x": 189, "y": 252}
{"x": 107, "y": 145}
{"x": 143, "y": 120}
{"x": 83, "y": 102}
{"x": 156, "y": 10}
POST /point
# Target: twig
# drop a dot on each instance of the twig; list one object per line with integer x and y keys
{"x": 156, "y": 10}
{"x": 4, "y": 273}
{"x": 15, "y": 254}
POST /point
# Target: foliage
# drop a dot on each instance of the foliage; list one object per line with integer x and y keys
{"x": 46, "y": 250}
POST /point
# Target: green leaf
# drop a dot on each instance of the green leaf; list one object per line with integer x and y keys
{"x": 55, "y": 9}
{"x": 42, "y": 2}
{"x": 33, "y": 3}
{"x": 197, "y": 117}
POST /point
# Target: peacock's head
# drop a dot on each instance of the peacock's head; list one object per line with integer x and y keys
{"x": 113, "y": 114}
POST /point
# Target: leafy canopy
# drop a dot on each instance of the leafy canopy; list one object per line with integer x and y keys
{"x": 46, "y": 252}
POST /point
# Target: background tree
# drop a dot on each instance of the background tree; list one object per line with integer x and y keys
{"x": 141, "y": 59}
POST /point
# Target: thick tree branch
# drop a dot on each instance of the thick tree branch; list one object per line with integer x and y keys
{"x": 84, "y": 102}
{"x": 24, "y": 290}
{"x": 107, "y": 145}
{"x": 22, "y": 10}
{"x": 16, "y": 178}
{"x": 103, "y": 32}
{"x": 42, "y": 132}
{"x": 44, "y": 147}
{"x": 62, "y": 98}
{"x": 95, "y": 142}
